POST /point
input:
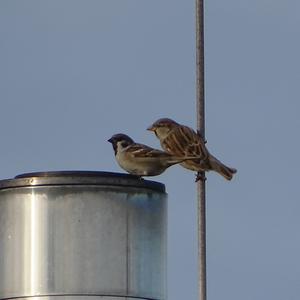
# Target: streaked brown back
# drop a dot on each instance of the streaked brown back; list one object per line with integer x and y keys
{"x": 142, "y": 151}
{"x": 184, "y": 141}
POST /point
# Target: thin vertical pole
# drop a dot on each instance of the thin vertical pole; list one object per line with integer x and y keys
{"x": 201, "y": 128}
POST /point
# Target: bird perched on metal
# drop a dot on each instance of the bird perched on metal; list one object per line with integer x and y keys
{"x": 142, "y": 160}
{"x": 180, "y": 140}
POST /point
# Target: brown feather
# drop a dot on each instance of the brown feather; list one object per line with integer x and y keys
{"x": 139, "y": 150}
{"x": 183, "y": 141}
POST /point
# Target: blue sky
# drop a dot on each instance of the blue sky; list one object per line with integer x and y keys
{"x": 74, "y": 72}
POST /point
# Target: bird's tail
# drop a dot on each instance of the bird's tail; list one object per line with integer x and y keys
{"x": 220, "y": 168}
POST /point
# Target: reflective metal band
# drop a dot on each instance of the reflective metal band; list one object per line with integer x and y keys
{"x": 80, "y": 178}
{"x": 81, "y": 295}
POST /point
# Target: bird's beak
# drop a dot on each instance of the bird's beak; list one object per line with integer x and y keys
{"x": 151, "y": 128}
{"x": 110, "y": 140}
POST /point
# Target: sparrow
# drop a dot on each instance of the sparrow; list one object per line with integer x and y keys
{"x": 180, "y": 140}
{"x": 139, "y": 159}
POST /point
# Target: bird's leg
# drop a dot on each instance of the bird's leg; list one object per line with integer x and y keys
{"x": 200, "y": 176}
{"x": 138, "y": 177}
{"x": 204, "y": 140}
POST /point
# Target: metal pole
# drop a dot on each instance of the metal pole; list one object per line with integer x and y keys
{"x": 201, "y": 128}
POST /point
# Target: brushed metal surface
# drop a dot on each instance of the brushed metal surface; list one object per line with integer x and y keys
{"x": 83, "y": 297}
{"x": 104, "y": 240}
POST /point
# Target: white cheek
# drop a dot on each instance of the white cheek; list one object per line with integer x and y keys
{"x": 119, "y": 146}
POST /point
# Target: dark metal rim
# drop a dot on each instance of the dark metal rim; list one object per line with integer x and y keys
{"x": 80, "y": 178}
{"x": 81, "y": 295}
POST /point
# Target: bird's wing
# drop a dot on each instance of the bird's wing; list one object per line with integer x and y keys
{"x": 184, "y": 141}
{"x": 143, "y": 151}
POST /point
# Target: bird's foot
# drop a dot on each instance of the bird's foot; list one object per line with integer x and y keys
{"x": 200, "y": 176}
{"x": 204, "y": 140}
{"x": 138, "y": 177}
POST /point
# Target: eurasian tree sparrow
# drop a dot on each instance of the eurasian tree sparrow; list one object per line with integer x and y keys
{"x": 180, "y": 140}
{"x": 139, "y": 159}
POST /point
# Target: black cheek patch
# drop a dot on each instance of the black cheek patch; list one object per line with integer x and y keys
{"x": 124, "y": 144}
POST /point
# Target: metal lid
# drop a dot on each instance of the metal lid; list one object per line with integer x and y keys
{"x": 80, "y": 178}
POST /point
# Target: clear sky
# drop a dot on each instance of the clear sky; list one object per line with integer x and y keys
{"x": 74, "y": 72}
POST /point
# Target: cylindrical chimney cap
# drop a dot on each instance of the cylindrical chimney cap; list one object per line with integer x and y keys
{"x": 81, "y": 235}
{"x": 79, "y": 178}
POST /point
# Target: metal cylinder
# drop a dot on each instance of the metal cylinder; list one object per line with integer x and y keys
{"x": 78, "y": 235}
